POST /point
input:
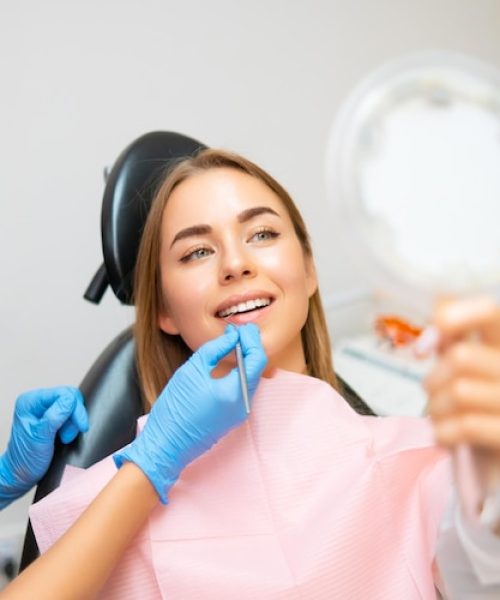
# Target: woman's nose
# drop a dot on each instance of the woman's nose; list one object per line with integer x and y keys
{"x": 236, "y": 264}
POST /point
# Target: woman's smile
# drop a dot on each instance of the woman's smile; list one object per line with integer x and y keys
{"x": 244, "y": 308}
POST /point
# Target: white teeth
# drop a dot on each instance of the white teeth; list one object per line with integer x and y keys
{"x": 244, "y": 307}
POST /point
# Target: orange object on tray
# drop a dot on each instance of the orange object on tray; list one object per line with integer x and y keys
{"x": 396, "y": 330}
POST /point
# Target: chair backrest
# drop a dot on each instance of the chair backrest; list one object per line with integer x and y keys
{"x": 111, "y": 388}
{"x": 113, "y": 401}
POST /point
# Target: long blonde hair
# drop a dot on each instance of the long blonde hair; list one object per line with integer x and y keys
{"x": 160, "y": 354}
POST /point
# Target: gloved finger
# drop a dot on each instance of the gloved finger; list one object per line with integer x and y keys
{"x": 68, "y": 432}
{"x": 254, "y": 356}
{"x": 78, "y": 421}
{"x": 80, "y": 417}
{"x": 36, "y": 402}
{"x": 211, "y": 352}
{"x": 57, "y": 414}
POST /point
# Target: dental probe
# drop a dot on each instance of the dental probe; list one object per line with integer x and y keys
{"x": 243, "y": 377}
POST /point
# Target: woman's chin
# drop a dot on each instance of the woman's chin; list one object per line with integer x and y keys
{"x": 269, "y": 371}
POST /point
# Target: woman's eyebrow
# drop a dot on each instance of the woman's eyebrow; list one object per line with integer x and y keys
{"x": 242, "y": 217}
{"x": 191, "y": 231}
{"x": 250, "y": 213}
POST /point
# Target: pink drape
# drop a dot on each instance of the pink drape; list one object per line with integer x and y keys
{"x": 305, "y": 500}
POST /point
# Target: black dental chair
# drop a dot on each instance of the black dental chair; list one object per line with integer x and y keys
{"x": 111, "y": 388}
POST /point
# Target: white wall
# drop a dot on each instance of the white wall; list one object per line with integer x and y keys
{"x": 79, "y": 81}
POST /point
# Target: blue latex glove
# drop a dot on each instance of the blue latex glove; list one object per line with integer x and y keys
{"x": 195, "y": 410}
{"x": 38, "y": 416}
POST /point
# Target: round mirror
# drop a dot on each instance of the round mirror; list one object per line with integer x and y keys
{"x": 413, "y": 170}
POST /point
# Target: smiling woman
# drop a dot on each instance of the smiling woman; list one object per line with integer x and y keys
{"x": 289, "y": 501}
{"x": 224, "y": 241}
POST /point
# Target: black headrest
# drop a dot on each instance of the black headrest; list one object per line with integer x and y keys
{"x": 129, "y": 191}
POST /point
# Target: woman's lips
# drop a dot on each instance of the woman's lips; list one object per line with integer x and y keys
{"x": 247, "y": 300}
{"x": 250, "y": 316}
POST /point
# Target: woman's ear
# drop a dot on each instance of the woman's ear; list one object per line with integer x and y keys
{"x": 311, "y": 277}
{"x": 166, "y": 323}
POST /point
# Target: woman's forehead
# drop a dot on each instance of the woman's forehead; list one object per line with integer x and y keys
{"x": 215, "y": 196}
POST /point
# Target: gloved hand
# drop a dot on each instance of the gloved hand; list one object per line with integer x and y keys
{"x": 195, "y": 410}
{"x": 38, "y": 416}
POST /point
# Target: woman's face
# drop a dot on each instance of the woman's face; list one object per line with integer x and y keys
{"x": 229, "y": 253}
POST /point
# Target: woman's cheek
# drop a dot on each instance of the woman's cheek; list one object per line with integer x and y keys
{"x": 273, "y": 262}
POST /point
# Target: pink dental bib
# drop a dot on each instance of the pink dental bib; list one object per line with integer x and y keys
{"x": 306, "y": 500}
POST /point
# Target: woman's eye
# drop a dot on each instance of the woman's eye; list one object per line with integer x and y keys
{"x": 196, "y": 254}
{"x": 265, "y": 234}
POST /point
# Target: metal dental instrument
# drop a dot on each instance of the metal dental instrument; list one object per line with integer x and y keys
{"x": 243, "y": 377}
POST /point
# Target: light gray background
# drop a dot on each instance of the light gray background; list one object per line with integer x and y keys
{"x": 79, "y": 81}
